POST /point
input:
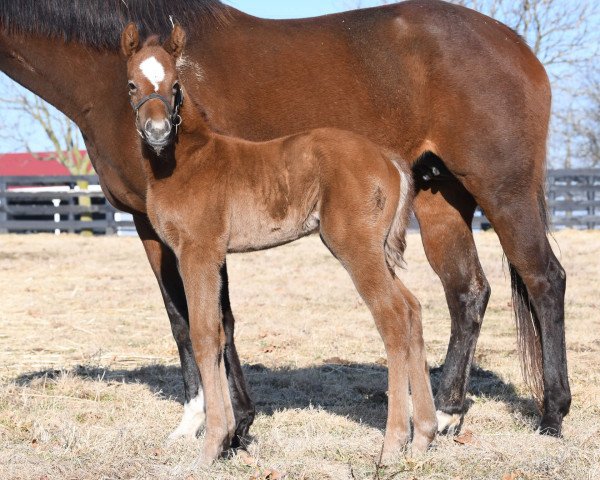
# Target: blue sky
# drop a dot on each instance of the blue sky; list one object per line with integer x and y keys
{"x": 296, "y": 8}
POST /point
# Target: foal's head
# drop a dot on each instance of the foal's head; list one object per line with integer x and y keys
{"x": 154, "y": 84}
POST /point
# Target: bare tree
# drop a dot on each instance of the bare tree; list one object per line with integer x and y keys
{"x": 60, "y": 131}
{"x": 588, "y": 126}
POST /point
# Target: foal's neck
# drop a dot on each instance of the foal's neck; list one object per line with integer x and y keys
{"x": 194, "y": 131}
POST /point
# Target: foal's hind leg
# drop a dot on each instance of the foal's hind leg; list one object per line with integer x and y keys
{"x": 365, "y": 261}
{"x": 424, "y": 416}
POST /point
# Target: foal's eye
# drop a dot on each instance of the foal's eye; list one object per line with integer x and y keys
{"x": 132, "y": 87}
{"x": 175, "y": 87}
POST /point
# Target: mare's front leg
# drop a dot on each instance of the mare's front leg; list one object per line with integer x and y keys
{"x": 164, "y": 265}
{"x": 200, "y": 269}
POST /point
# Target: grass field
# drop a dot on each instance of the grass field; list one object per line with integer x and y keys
{"x": 90, "y": 385}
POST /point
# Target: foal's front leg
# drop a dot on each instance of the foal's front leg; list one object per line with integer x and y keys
{"x": 200, "y": 271}
{"x": 164, "y": 265}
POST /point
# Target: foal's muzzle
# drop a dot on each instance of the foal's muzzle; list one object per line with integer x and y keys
{"x": 159, "y": 133}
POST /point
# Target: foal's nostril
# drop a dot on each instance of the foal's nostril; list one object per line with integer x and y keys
{"x": 157, "y": 130}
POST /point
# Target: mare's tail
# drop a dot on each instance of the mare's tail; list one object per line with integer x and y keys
{"x": 395, "y": 243}
{"x": 528, "y": 325}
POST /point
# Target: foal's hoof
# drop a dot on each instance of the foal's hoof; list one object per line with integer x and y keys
{"x": 212, "y": 451}
{"x": 448, "y": 423}
{"x": 421, "y": 443}
{"x": 393, "y": 449}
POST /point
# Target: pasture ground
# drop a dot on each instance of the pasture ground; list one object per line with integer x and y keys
{"x": 90, "y": 385}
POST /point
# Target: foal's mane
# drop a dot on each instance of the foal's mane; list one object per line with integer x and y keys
{"x": 98, "y": 23}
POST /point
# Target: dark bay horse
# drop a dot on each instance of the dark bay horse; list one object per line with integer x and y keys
{"x": 210, "y": 194}
{"x": 449, "y": 89}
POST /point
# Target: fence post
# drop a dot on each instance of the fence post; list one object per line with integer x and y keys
{"x": 111, "y": 227}
{"x": 85, "y": 202}
{"x": 3, "y": 206}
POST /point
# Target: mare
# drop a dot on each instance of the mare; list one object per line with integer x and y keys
{"x": 450, "y": 90}
{"x": 210, "y": 194}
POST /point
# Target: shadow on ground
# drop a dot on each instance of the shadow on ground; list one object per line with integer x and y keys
{"x": 355, "y": 390}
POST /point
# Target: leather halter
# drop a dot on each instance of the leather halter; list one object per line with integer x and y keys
{"x": 172, "y": 111}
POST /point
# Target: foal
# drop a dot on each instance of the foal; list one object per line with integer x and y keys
{"x": 209, "y": 195}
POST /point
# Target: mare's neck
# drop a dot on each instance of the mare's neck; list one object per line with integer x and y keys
{"x": 85, "y": 84}
{"x": 76, "y": 79}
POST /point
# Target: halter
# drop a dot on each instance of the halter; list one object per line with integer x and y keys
{"x": 173, "y": 112}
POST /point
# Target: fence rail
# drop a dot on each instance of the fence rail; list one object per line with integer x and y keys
{"x": 48, "y": 204}
{"x": 58, "y": 204}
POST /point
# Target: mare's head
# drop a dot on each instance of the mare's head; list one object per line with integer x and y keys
{"x": 153, "y": 83}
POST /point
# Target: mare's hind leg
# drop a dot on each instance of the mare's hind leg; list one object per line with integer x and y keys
{"x": 445, "y": 212}
{"x": 520, "y": 227}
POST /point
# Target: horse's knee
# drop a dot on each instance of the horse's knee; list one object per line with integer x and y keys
{"x": 546, "y": 289}
{"x": 471, "y": 300}
{"x": 557, "y": 277}
{"x": 180, "y": 330}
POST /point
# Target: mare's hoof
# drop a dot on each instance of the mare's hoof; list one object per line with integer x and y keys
{"x": 550, "y": 426}
{"x": 188, "y": 428}
{"x": 448, "y": 423}
{"x": 241, "y": 436}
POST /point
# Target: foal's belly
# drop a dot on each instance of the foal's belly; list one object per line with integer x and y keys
{"x": 251, "y": 231}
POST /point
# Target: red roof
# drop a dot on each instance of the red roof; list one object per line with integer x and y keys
{"x": 31, "y": 164}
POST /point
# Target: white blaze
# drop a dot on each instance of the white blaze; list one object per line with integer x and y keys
{"x": 153, "y": 71}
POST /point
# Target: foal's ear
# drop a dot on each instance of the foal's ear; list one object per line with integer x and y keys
{"x": 130, "y": 40}
{"x": 176, "y": 42}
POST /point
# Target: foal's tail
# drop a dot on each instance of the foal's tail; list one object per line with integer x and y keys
{"x": 528, "y": 326}
{"x": 395, "y": 243}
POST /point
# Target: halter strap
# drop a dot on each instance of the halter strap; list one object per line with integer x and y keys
{"x": 172, "y": 111}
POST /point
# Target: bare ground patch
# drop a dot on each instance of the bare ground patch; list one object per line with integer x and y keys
{"x": 90, "y": 385}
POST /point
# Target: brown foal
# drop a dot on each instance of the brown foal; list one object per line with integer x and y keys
{"x": 209, "y": 194}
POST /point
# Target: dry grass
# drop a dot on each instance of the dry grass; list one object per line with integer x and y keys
{"x": 90, "y": 386}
